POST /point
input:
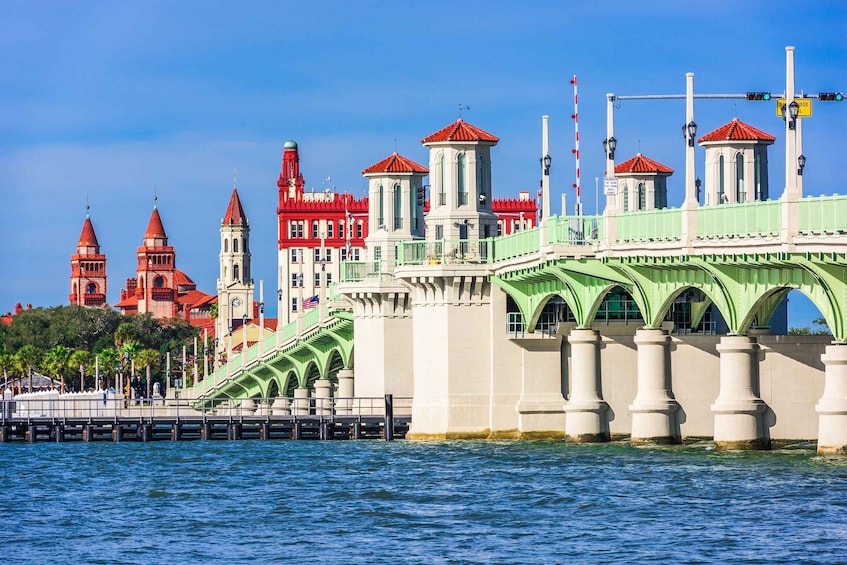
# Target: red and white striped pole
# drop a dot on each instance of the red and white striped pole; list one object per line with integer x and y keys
{"x": 575, "y": 117}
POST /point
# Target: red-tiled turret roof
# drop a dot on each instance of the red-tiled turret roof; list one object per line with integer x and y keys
{"x": 88, "y": 238}
{"x": 460, "y": 131}
{"x": 736, "y": 130}
{"x": 234, "y": 212}
{"x": 395, "y": 163}
{"x": 641, "y": 164}
{"x": 155, "y": 229}
{"x": 181, "y": 279}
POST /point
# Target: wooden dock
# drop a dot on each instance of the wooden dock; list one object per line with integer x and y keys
{"x": 205, "y": 427}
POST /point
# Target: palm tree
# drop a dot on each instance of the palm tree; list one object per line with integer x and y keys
{"x": 144, "y": 359}
{"x": 109, "y": 359}
{"x": 7, "y": 363}
{"x": 28, "y": 358}
{"x": 80, "y": 359}
{"x": 128, "y": 351}
{"x": 55, "y": 362}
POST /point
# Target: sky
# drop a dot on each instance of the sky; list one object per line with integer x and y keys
{"x": 109, "y": 103}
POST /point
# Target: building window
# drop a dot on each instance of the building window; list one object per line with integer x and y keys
{"x": 359, "y": 229}
{"x": 341, "y": 228}
{"x": 660, "y": 196}
{"x": 355, "y": 254}
{"x": 91, "y": 288}
{"x": 330, "y": 229}
{"x": 328, "y": 254}
{"x": 625, "y": 197}
{"x": 317, "y": 254}
{"x": 328, "y": 279}
{"x": 739, "y": 178}
{"x": 294, "y": 279}
{"x": 235, "y": 245}
{"x": 442, "y": 195}
{"x": 314, "y": 229}
{"x": 499, "y": 228}
{"x": 226, "y": 246}
{"x": 293, "y": 304}
{"x": 159, "y": 282}
{"x": 461, "y": 185}
{"x": 721, "y": 181}
{"x": 439, "y": 232}
{"x": 293, "y": 254}
{"x": 317, "y": 279}
{"x": 235, "y": 273}
{"x": 380, "y": 219}
{"x": 642, "y": 196}
{"x": 480, "y": 175}
{"x": 343, "y": 253}
{"x": 398, "y": 207}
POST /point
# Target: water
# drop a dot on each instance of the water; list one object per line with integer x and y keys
{"x": 417, "y": 502}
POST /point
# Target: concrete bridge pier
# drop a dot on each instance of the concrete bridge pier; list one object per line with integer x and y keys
{"x": 541, "y": 408}
{"x": 323, "y": 397}
{"x": 832, "y": 407}
{"x": 300, "y": 405}
{"x": 344, "y": 398}
{"x": 281, "y": 406}
{"x": 738, "y": 409}
{"x": 587, "y": 412}
{"x": 654, "y": 420}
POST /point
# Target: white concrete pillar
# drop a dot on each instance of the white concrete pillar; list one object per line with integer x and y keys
{"x": 832, "y": 407}
{"x": 541, "y": 408}
{"x": 281, "y": 406}
{"x": 323, "y": 397}
{"x": 300, "y": 406}
{"x": 587, "y": 412}
{"x": 738, "y": 409}
{"x": 344, "y": 398}
{"x": 654, "y": 409}
{"x": 247, "y": 407}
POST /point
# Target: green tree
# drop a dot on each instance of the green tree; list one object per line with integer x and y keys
{"x": 29, "y": 357}
{"x": 81, "y": 360}
{"x": 7, "y": 365}
{"x": 146, "y": 359}
{"x": 55, "y": 362}
{"x": 109, "y": 359}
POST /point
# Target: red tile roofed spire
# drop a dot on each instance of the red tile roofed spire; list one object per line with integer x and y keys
{"x": 234, "y": 212}
{"x": 736, "y": 130}
{"x": 88, "y": 238}
{"x": 395, "y": 163}
{"x": 641, "y": 164}
{"x": 155, "y": 229}
{"x": 460, "y": 130}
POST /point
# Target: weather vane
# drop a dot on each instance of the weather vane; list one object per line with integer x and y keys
{"x": 234, "y": 177}
{"x": 463, "y": 107}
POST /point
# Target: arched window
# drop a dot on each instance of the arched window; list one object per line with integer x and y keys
{"x": 739, "y": 178}
{"x": 625, "y": 197}
{"x": 380, "y": 220}
{"x": 721, "y": 181}
{"x": 235, "y": 273}
{"x": 442, "y": 196}
{"x": 398, "y": 207}
{"x": 159, "y": 282}
{"x": 226, "y": 246}
{"x": 235, "y": 245}
{"x": 480, "y": 175}
{"x": 91, "y": 288}
{"x": 642, "y": 196}
{"x": 461, "y": 185}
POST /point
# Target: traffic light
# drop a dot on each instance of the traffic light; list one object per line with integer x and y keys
{"x": 759, "y": 96}
{"x": 830, "y": 96}
{"x": 421, "y": 195}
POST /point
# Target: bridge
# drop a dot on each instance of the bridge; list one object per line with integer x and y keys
{"x": 742, "y": 259}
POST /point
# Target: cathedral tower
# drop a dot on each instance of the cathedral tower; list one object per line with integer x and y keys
{"x": 88, "y": 269}
{"x": 235, "y": 285}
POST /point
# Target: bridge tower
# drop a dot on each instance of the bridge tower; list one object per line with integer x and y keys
{"x": 235, "y": 285}
{"x": 88, "y": 269}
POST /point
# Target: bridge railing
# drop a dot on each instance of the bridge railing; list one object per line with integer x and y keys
{"x": 650, "y": 225}
{"x": 574, "y": 230}
{"x": 823, "y": 215}
{"x": 749, "y": 219}
{"x": 444, "y": 252}
{"x": 355, "y": 271}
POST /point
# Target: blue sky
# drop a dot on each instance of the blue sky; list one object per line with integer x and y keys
{"x": 103, "y": 101}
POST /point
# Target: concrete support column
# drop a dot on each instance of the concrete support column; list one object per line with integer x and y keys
{"x": 832, "y": 407}
{"x": 587, "y": 412}
{"x": 541, "y": 408}
{"x": 323, "y": 397}
{"x": 248, "y": 407}
{"x": 281, "y": 406}
{"x": 654, "y": 409}
{"x": 344, "y": 398}
{"x": 300, "y": 406}
{"x": 738, "y": 409}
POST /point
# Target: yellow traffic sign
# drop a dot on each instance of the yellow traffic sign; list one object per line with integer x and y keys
{"x": 805, "y": 109}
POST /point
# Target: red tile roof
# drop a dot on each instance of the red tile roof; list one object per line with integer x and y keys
{"x": 395, "y": 163}
{"x": 736, "y": 130}
{"x": 641, "y": 164}
{"x": 195, "y": 298}
{"x": 460, "y": 131}
{"x": 88, "y": 238}
{"x": 181, "y": 279}
{"x": 130, "y": 301}
{"x": 234, "y": 212}
{"x": 155, "y": 229}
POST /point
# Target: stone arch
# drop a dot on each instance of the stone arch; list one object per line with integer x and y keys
{"x": 334, "y": 363}
{"x": 311, "y": 373}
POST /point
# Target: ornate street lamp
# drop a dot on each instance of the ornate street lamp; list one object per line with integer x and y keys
{"x": 546, "y": 161}
{"x": 801, "y": 164}
{"x": 689, "y": 132}
{"x": 609, "y": 146}
{"x": 793, "y": 112}
{"x": 697, "y": 185}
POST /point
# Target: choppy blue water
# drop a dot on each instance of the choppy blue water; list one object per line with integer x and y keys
{"x": 417, "y": 502}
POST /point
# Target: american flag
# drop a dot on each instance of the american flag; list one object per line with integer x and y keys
{"x": 311, "y": 302}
